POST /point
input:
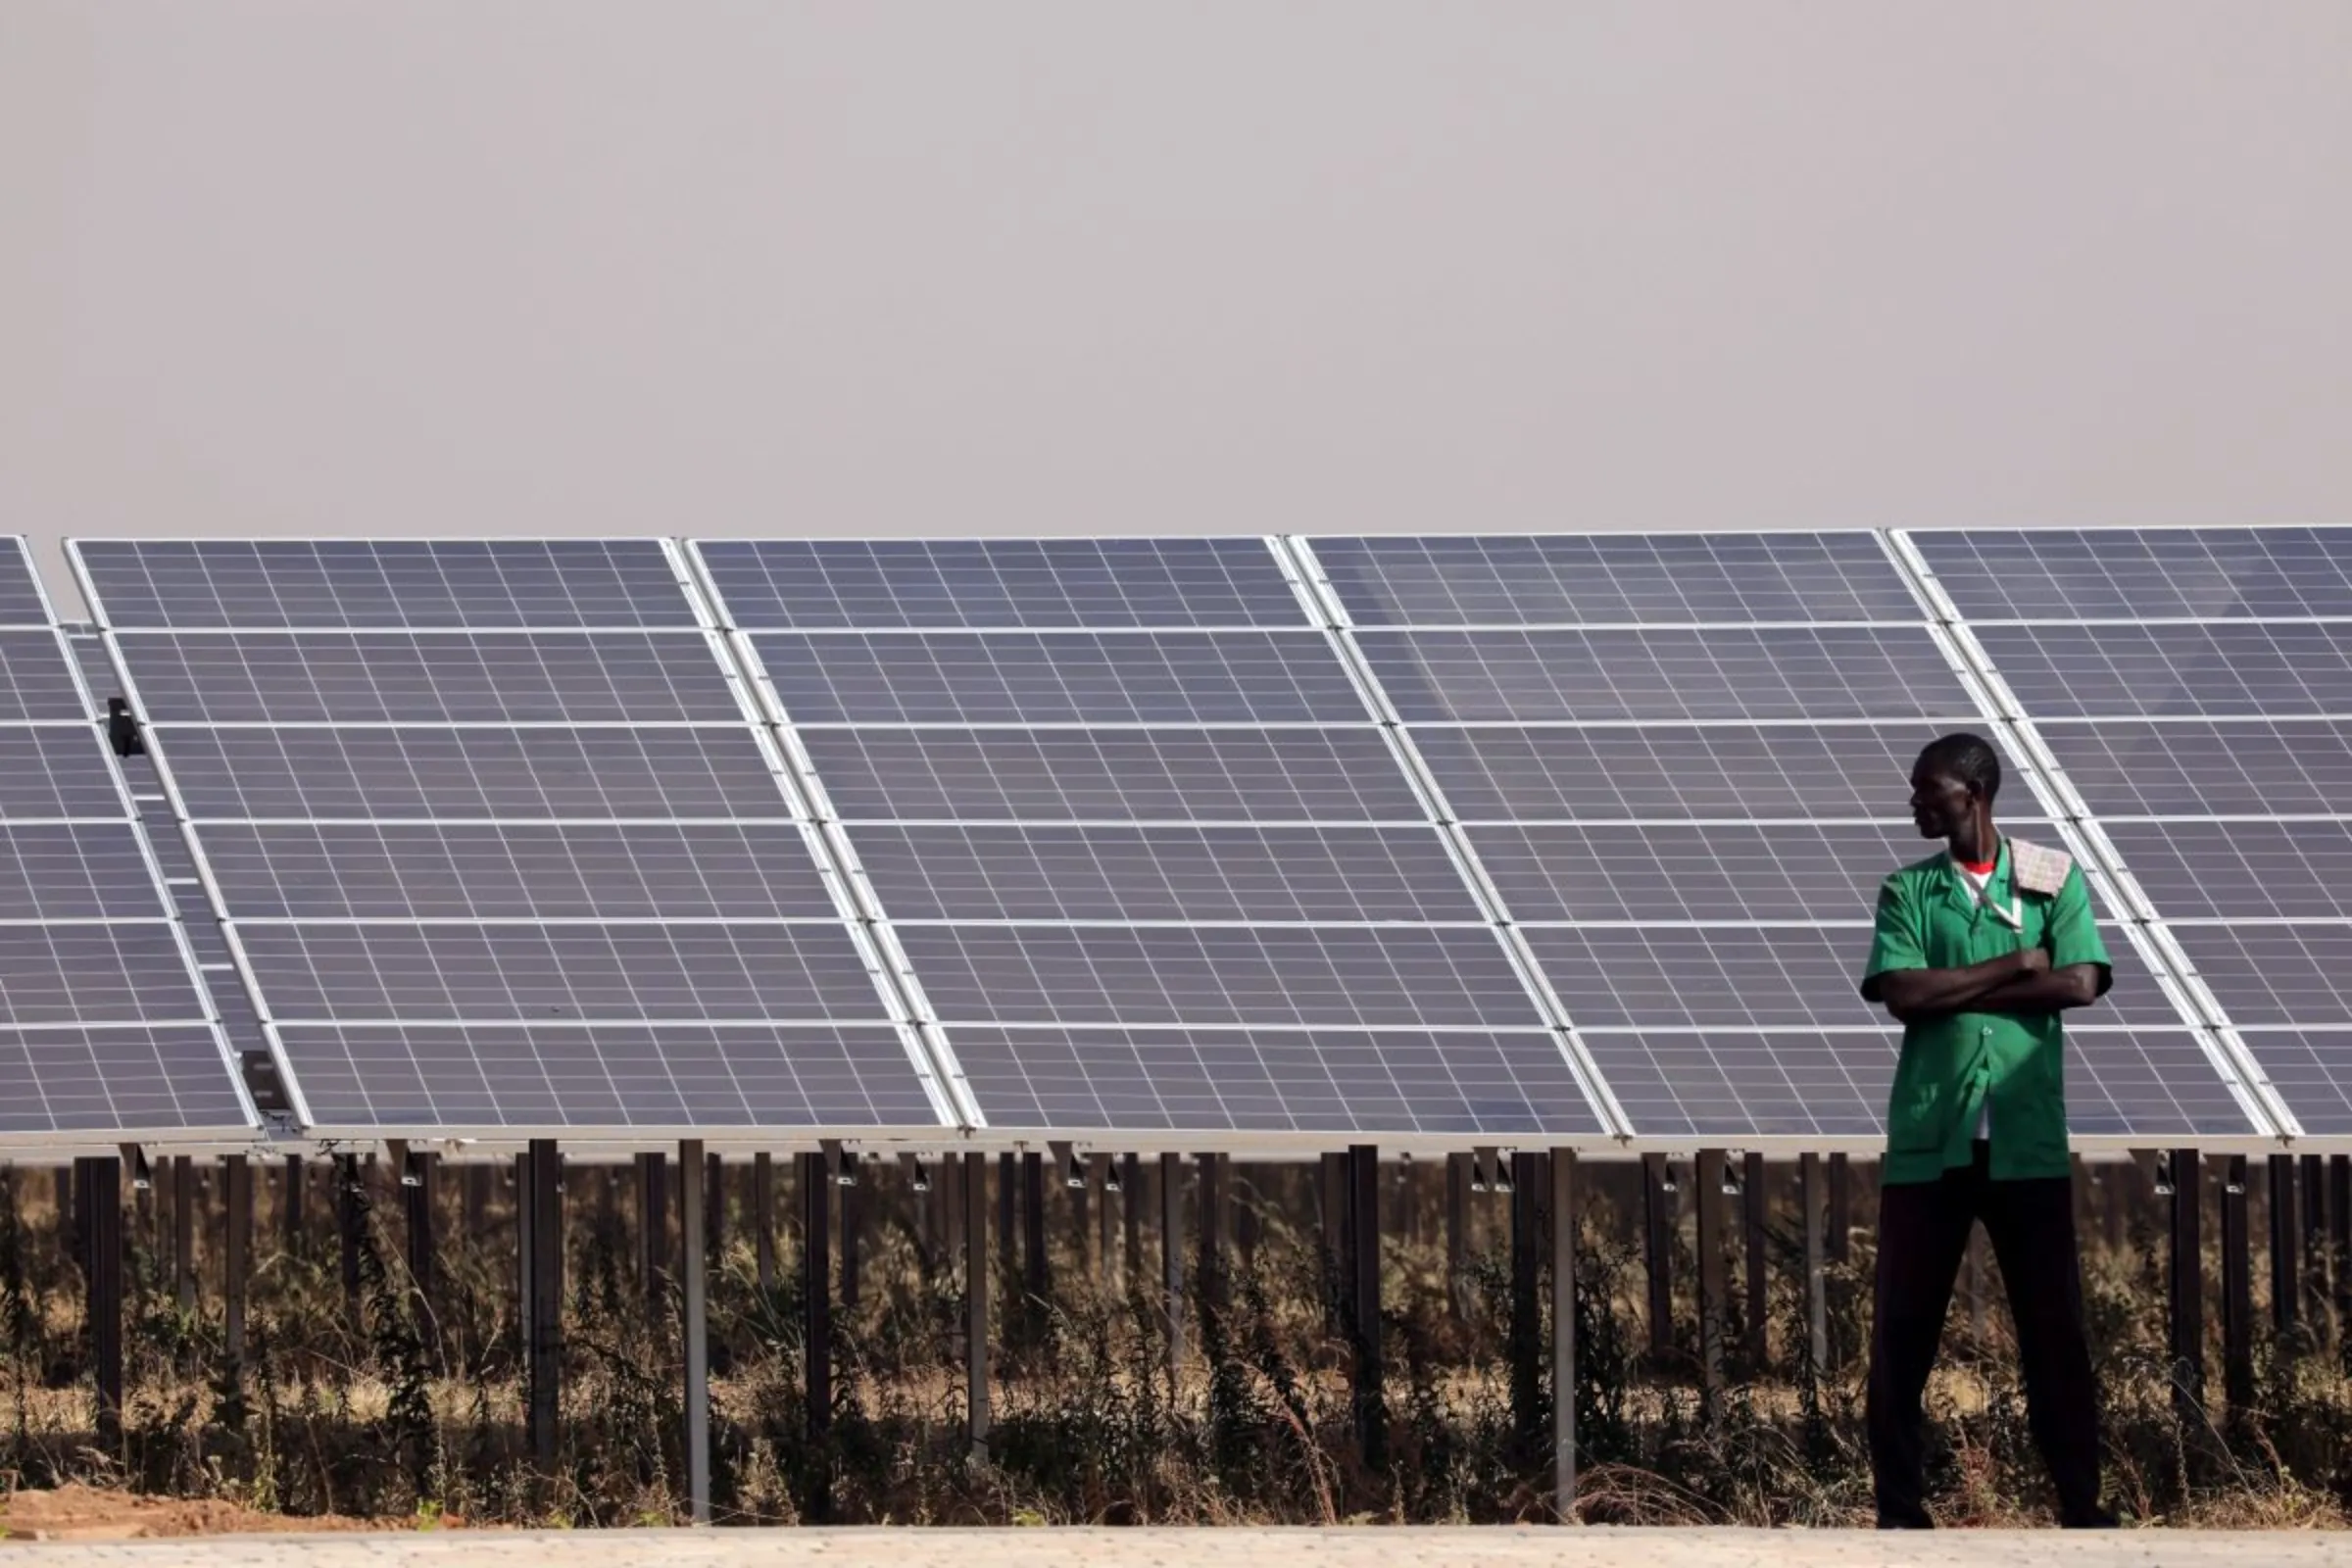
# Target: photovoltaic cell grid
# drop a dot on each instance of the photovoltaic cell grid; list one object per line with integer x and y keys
{"x": 499, "y": 840}
{"x": 103, "y": 1032}
{"x": 1683, "y": 764}
{"x": 1136, "y": 833}
{"x": 2192, "y": 686}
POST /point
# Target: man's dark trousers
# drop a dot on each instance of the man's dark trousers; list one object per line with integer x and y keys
{"x": 1923, "y": 1236}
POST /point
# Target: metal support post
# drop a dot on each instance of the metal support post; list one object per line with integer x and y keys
{"x": 816, "y": 1290}
{"x": 1008, "y": 1237}
{"x": 1098, "y": 1171}
{"x": 2237, "y": 1289}
{"x": 1131, "y": 1183}
{"x": 1714, "y": 1293}
{"x": 2286, "y": 1269}
{"x": 1753, "y": 1206}
{"x": 183, "y": 1230}
{"x": 2314, "y": 1188}
{"x": 1842, "y": 1211}
{"x": 99, "y": 1207}
{"x": 474, "y": 1204}
{"x": 349, "y": 1216}
{"x": 975, "y": 1294}
{"x": 1564, "y": 1334}
{"x": 1817, "y": 1295}
{"x": 694, "y": 1261}
{"x": 2188, "y": 1284}
{"x": 416, "y": 1199}
{"x": 714, "y": 1210}
{"x": 1212, "y": 1234}
{"x": 543, "y": 1200}
{"x": 1035, "y": 1287}
{"x": 1457, "y": 1230}
{"x": 1371, "y": 1404}
{"x": 289, "y": 1210}
{"x": 1524, "y": 1334}
{"x": 1171, "y": 1259}
{"x": 2339, "y": 1245}
{"x": 853, "y": 1228}
{"x": 1243, "y": 1192}
{"x": 237, "y": 1256}
{"x": 653, "y": 1230}
{"x": 764, "y": 1219}
{"x": 1658, "y": 1239}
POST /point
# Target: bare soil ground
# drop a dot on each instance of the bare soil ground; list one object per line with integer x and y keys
{"x": 104, "y": 1513}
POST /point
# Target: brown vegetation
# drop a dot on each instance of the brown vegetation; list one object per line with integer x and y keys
{"x": 379, "y": 1407}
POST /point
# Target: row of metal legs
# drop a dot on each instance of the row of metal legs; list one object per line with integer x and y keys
{"x": 2310, "y": 1211}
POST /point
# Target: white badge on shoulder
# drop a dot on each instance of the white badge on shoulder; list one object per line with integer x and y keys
{"x": 2037, "y": 868}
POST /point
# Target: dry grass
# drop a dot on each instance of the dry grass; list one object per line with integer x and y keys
{"x": 417, "y": 1415}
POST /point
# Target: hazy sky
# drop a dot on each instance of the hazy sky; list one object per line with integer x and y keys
{"x": 326, "y": 267}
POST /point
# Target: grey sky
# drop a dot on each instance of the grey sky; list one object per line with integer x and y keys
{"x": 328, "y": 267}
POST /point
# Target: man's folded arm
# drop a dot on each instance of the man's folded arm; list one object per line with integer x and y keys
{"x": 1913, "y": 996}
{"x": 2075, "y": 985}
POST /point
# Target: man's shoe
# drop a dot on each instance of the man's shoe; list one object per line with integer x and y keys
{"x": 1915, "y": 1520}
{"x": 2096, "y": 1519}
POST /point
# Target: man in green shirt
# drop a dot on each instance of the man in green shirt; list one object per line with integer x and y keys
{"x": 1976, "y": 953}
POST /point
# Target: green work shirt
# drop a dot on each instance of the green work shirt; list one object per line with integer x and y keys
{"x": 1930, "y": 918}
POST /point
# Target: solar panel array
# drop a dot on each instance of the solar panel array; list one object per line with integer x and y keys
{"x": 1682, "y": 761}
{"x": 497, "y": 843}
{"x": 2192, "y": 684}
{"x": 105, "y": 1032}
{"x": 1450, "y": 838}
{"x": 1136, "y": 833}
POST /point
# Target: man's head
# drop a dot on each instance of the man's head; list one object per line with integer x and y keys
{"x": 1955, "y": 779}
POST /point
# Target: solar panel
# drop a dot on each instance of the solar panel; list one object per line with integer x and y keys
{"x": 518, "y": 802}
{"x": 414, "y": 772}
{"x": 1662, "y": 772}
{"x": 401, "y": 678}
{"x": 2180, "y": 683}
{"x": 1209, "y": 976}
{"x": 52, "y": 773}
{"x": 2239, "y": 870}
{"x": 115, "y": 1084}
{"x": 104, "y": 1034}
{"x": 1164, "y": 836}
{"x": 478, "y": 584}
{"x": 1669, "y": 871}
{"x": 20, "y": 603}
{"x": 315, "y": 972}
{"x": 94, "y": 974}
{"x": 1174, "y": 677}
{"x": 676, "y": 1078}
{"x": 1748, "y": 977}
{"x": 2135, "y": 574}
{"x": 2222, "y": 670}
{"x": 74, "y": 871}
{"x": 2264, "y": 975}
{"x": 1018, "y": 872}
{"x": 35, "y": 681}
{"x": 1684, "y": 778}
{"x": 1834, "y": 1084}
{"x": 2192, "y": 768}
{"x": 517, "y": 871}
{"x": 1338, "y": 1082}
{"x": 1000, "y": 584}
{"x": 1604, "y": 579}
{"x": 1113, "y": 775}
{"x": 1803, "y": 673}
{"x": 2311, "y": 1070}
